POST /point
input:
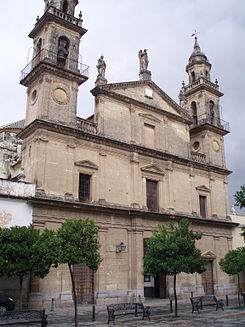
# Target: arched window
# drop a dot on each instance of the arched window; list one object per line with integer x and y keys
{"x": 194, "y": 112}
{"x": 65, "y": 6}
{"x": 193, "y": 77}
{"x": 63, "y": 46}
{"x": 39, "y": 45}
{"x": 211, "y": 111}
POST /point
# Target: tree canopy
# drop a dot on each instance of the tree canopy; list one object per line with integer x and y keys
{"x": 240, "y": 197}
{"x": 171, "y": 250}
{"x": 233, "y": 263}
{"x": 16, "y": 244}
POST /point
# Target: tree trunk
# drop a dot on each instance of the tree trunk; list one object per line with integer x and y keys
{"x": 239, "y": 289}
{"x": 20, "y": 293}
{"x": 175, "y": 298}
{"x": 74, "y": 294}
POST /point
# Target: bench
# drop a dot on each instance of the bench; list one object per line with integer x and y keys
{"x": 122, "y": 309}
{"x": 199, "y": 302}
{"x": 10, "y": 318}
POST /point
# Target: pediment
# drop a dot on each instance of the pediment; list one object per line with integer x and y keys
{"x": 153, "y": 169}
{"x": 209, "y": 255}
{"x": 150, "y": 117}
{"x": 86, "y": 164}
{"x": 138, "y": 91}
{"x": 203, "y": 188}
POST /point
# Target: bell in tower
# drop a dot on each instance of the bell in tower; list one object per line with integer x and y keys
{"x": 201, "y": 99}
{"x": 53, "y": 76}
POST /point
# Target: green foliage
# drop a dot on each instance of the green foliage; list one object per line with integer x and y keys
{"x": 78, "y": 243}
{"x": 16, "y": 250}
{"x": 234, "y": 261}
{"x": 171, "y": 250}
{"x": 240, "y": 197}
{"x": 45, "y": 253}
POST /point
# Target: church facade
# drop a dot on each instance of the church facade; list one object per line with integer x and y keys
{"x": 140, "y": 160}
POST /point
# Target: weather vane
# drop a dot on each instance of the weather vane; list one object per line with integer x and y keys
{"x": 195, "y": 33}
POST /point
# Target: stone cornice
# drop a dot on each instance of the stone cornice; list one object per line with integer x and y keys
{"x": 53, "y": 69}
{"x": 208, "y": 127}
{"x": 108, "y": 90}
{"x": 47, "y": 201}
{"x": 100, "y": 139}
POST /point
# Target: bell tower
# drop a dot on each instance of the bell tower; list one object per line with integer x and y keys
{"x": 201, "y": 98}
{"x": 53, "y": 76}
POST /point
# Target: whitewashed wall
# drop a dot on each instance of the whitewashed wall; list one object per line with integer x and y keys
{"x": 14, "y": 209}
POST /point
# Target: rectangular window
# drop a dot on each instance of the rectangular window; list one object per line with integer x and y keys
{"x": 149, "y": 132}
{"x": 203, "y": 206}
{"x": 152, "y": 195}
{"x": 84, "y": 187}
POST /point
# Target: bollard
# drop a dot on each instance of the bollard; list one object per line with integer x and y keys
{"x": 139, "y": 298}
{"x": 171, "y": 306}
{"x": 191, "y": 294}
{"x": 52, "y": 304}
{"x": 227, "y": 300}
{"x": 93, "y": 313}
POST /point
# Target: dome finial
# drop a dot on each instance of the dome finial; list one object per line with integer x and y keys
{"x": 196, "y": 45}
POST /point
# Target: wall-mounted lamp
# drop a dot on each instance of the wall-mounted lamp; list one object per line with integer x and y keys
{"x": 120, "y": 248}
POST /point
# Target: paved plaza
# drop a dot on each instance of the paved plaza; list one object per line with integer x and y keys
{"x": 232, "y": 316}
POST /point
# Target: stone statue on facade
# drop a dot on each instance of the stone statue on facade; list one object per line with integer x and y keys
{"x": 144, "y": 74}
{"x": 143, "y": 57}
{"x": 101, "y": 65}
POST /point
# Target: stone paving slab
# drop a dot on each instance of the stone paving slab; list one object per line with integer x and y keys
{"x": 209, "y": 317}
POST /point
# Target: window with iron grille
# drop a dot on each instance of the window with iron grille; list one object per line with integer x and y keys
{"x": 84, "y": 187}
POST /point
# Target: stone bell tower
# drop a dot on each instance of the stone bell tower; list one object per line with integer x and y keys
{"x": 55, "y": 72}
{"x": 201, "y": 98}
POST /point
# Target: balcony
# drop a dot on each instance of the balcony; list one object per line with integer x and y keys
{"x": 48, "y": 57}
{"x": 70, "y": 19}
{"x": 211, "y": 120}
{"x": 199, "y": 157}
{"x": 86, "y": 126}
{"x": 200, "y": 82}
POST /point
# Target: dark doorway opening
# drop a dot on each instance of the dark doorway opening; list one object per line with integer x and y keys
{"x": 208, "y": 279}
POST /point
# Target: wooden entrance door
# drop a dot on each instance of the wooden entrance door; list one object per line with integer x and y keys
{"x": 83, "y": 277}
{"x": 207, "y": 279}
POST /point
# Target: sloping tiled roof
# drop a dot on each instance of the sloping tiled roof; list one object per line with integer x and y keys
{"x": 15, "y": 125}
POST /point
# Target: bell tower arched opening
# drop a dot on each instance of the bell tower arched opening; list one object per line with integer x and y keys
{"x": 194, "y": 112}
{"x": 63, "y": 47}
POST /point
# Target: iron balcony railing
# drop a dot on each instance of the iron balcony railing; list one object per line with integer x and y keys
{"x": 46, "y": 56}
{"x": 86, "y": 126}
{"x": 212, "y": 120}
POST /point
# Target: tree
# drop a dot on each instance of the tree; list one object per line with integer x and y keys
{"x": 45, "y": 253}
{"x": 171, "y": 250}
{"x": 240, "y": 197}
{"x": 16, "y": 252}
{"x": 233, "y": 263}
{"x": 78, "y": 243}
